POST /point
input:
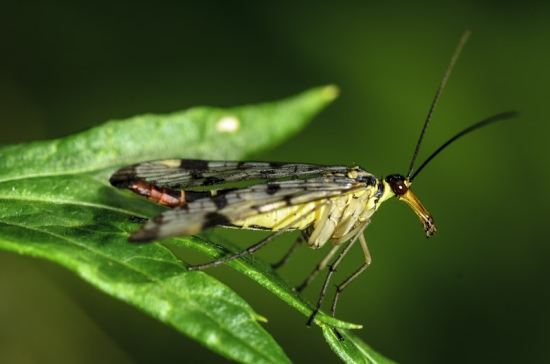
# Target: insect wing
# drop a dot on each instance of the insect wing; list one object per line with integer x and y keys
{"x": 184, "y": 173}
{"x": 241, "y": 204}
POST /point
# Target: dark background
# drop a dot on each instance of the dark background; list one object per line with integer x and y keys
{"x": 476, "y": 292}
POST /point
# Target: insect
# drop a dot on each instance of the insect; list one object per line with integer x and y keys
{"x": 327, "y": 203}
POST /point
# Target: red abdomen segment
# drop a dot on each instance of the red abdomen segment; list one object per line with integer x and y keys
{"x": 162, "y": 196}
{"x": 168, "y": 196}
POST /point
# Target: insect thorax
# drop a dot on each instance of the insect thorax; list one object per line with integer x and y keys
{"x": 333, "y": 218}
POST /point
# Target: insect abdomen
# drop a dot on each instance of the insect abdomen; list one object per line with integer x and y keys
{"x": 167, "y": 196}
{"x": 281, "y": 218}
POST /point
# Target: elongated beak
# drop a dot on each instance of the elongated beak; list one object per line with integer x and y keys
{"x": 425, "y": 218}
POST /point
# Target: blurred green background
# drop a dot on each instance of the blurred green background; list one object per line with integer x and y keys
{"x": 476, "y": 292}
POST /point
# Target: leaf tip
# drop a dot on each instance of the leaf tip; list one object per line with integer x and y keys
{"x": 331, "y": 92}
{"x": 260, "y": 318}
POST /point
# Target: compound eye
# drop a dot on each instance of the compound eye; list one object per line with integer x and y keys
{"x": 399, "y": 187}
{"x": 397, "y": 184}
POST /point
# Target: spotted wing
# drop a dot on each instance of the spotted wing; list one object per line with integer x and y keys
{"x": 243, "y": 203}
{"x": 184, "y": 173}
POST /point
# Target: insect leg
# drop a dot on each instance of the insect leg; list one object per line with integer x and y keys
{"x": 341, "y": 287}
{"x": 322, "y": 265}
{"x": 248, "y": 250}
{"x": 256, "y": 246}
{"x": 331, "y": 271}
{"x": 289, "y": 254}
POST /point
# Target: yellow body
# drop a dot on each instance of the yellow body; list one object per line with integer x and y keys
{"x": 336, "y": 219}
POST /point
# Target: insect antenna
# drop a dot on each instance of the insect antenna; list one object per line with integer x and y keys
{"x": 458, "y": 49}
{"x": 490, "y": 120}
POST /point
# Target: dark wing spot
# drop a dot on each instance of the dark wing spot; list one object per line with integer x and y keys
{"x": 220, "y": 201}
{"x": 121, "y": 177}
{"x": 193, "y": 164}
{"x": 214, "y": 218}
{"x": 144, "y": 236}
{"x": 273, "y": 188}
{"x": 209, "y": 181}
{"x": 266, "y": 173}
{"x": 191, "y": 196}
{"x": 223, "y": 191}
{"x": 123, "y": 184}
{"x": 196, "y": 174}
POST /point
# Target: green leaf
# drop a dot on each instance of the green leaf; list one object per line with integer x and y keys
{"x": 352, "y": 349}
{"x": 217, "y": 247}
{"x": 56, "y": 203}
